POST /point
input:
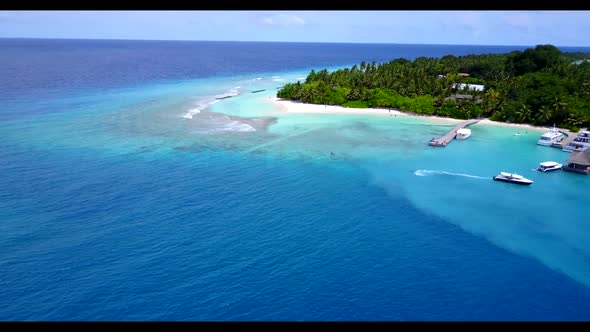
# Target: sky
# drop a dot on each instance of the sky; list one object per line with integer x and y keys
{"x": 523, "y": 28}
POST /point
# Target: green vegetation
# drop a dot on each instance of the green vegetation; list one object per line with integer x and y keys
{"x": 540, "y": 85}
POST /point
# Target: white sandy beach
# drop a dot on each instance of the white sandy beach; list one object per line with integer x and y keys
{"x": 293, "y": 107}
{"x": 515, "y": 125}
{"x": 289, "y": 106}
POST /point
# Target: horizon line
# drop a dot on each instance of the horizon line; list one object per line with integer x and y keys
{"x": 285, "y": 42}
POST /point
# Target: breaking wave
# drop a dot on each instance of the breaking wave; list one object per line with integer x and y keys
{"x": 237, "y": 126}
{"x": 208, "y": 101}
{"x": 193, "y": 111}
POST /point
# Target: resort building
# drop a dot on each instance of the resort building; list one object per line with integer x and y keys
{"x": 578, "y": 162}
{"x": 463, "y": 97}
{"x": 464, "y": 86}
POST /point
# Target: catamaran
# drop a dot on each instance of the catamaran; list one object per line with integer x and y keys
{"x": 549, "y": 166}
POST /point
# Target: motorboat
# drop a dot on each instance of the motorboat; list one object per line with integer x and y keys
{"x": 512, "y": 178}
{"x": 580, "y": 143}
{"x": 549, "y": 166}
{"x": 551, "y": 137}
{"x": 463, "y": 133}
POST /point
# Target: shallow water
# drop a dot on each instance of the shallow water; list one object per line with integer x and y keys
{"x": 117, "y": 206}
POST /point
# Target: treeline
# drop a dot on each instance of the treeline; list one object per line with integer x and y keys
{"x": 540, "y": 85}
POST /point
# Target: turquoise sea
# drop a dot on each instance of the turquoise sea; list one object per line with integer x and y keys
{"x": 131, "y": 189}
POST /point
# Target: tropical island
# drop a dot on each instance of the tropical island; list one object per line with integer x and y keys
{"x": 539, "y": 86}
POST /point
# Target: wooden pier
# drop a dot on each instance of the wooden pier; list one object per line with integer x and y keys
{"x": 570, "y": 137}
{"x": 446, "y": 138}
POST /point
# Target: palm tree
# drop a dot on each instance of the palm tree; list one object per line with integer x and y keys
{"x": 560, "y": 108}
{"x": 313, "y": 93}
{"x": 523, "y": 114}
{"x": 307, "y": 93}
{"x": 562, "y": 69}
{"x": 559, "y": 105}
{"x": 545, "y": 115}
{"x": 491, "y": 100}
{"x": 576, "y": 119}
{"x": 584, "y": 88}
{"x": 354, "y": 94}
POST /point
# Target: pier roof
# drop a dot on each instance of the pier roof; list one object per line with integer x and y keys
{"x": 580, "y": 158}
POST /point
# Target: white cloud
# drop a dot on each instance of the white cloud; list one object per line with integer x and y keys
{"x": 4, "y": 16}
{"x": 518, "y": 20}
{"x": 283, "y": 20}
{"x": 469, "y": 21}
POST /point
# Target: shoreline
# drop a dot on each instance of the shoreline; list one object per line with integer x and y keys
{"x": 294, "y": 107}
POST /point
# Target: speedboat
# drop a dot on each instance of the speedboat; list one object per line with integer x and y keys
{"x": 580, "y": 143}
{"x": 551, "y": 137}
{"x": 512, "y": 178}
{"x": 463, "y": 133}
{"x": 549, "y": 166}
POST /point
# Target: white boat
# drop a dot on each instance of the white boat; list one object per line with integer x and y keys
{"x": 463, "y": 133}
{"x": 580, "y": 143}
{"x": 550, "y": 137}
{"x": 549, "y": 166}
{"x": 512, "y": 178}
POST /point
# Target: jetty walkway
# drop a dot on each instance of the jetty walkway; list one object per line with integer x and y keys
{"x": 446, "y": 138}
{"x": 570, "y": 137}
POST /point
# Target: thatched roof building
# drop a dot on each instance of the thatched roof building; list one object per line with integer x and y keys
{"x": 579, "y": 162}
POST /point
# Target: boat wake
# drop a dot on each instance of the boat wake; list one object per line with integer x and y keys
{"x": 252, "y": 149}
{"x": 428, "y": 172}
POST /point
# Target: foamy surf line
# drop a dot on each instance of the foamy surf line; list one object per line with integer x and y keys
{"x": 230, "y": 93}
{"x": 192, "y": 112}
{"x": 428, "y": 172}
{"x": 208, "y": 101}
{"x": 237, "y": 126}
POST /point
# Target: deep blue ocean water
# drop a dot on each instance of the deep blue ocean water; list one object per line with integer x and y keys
{"x": 116, "y": 206}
